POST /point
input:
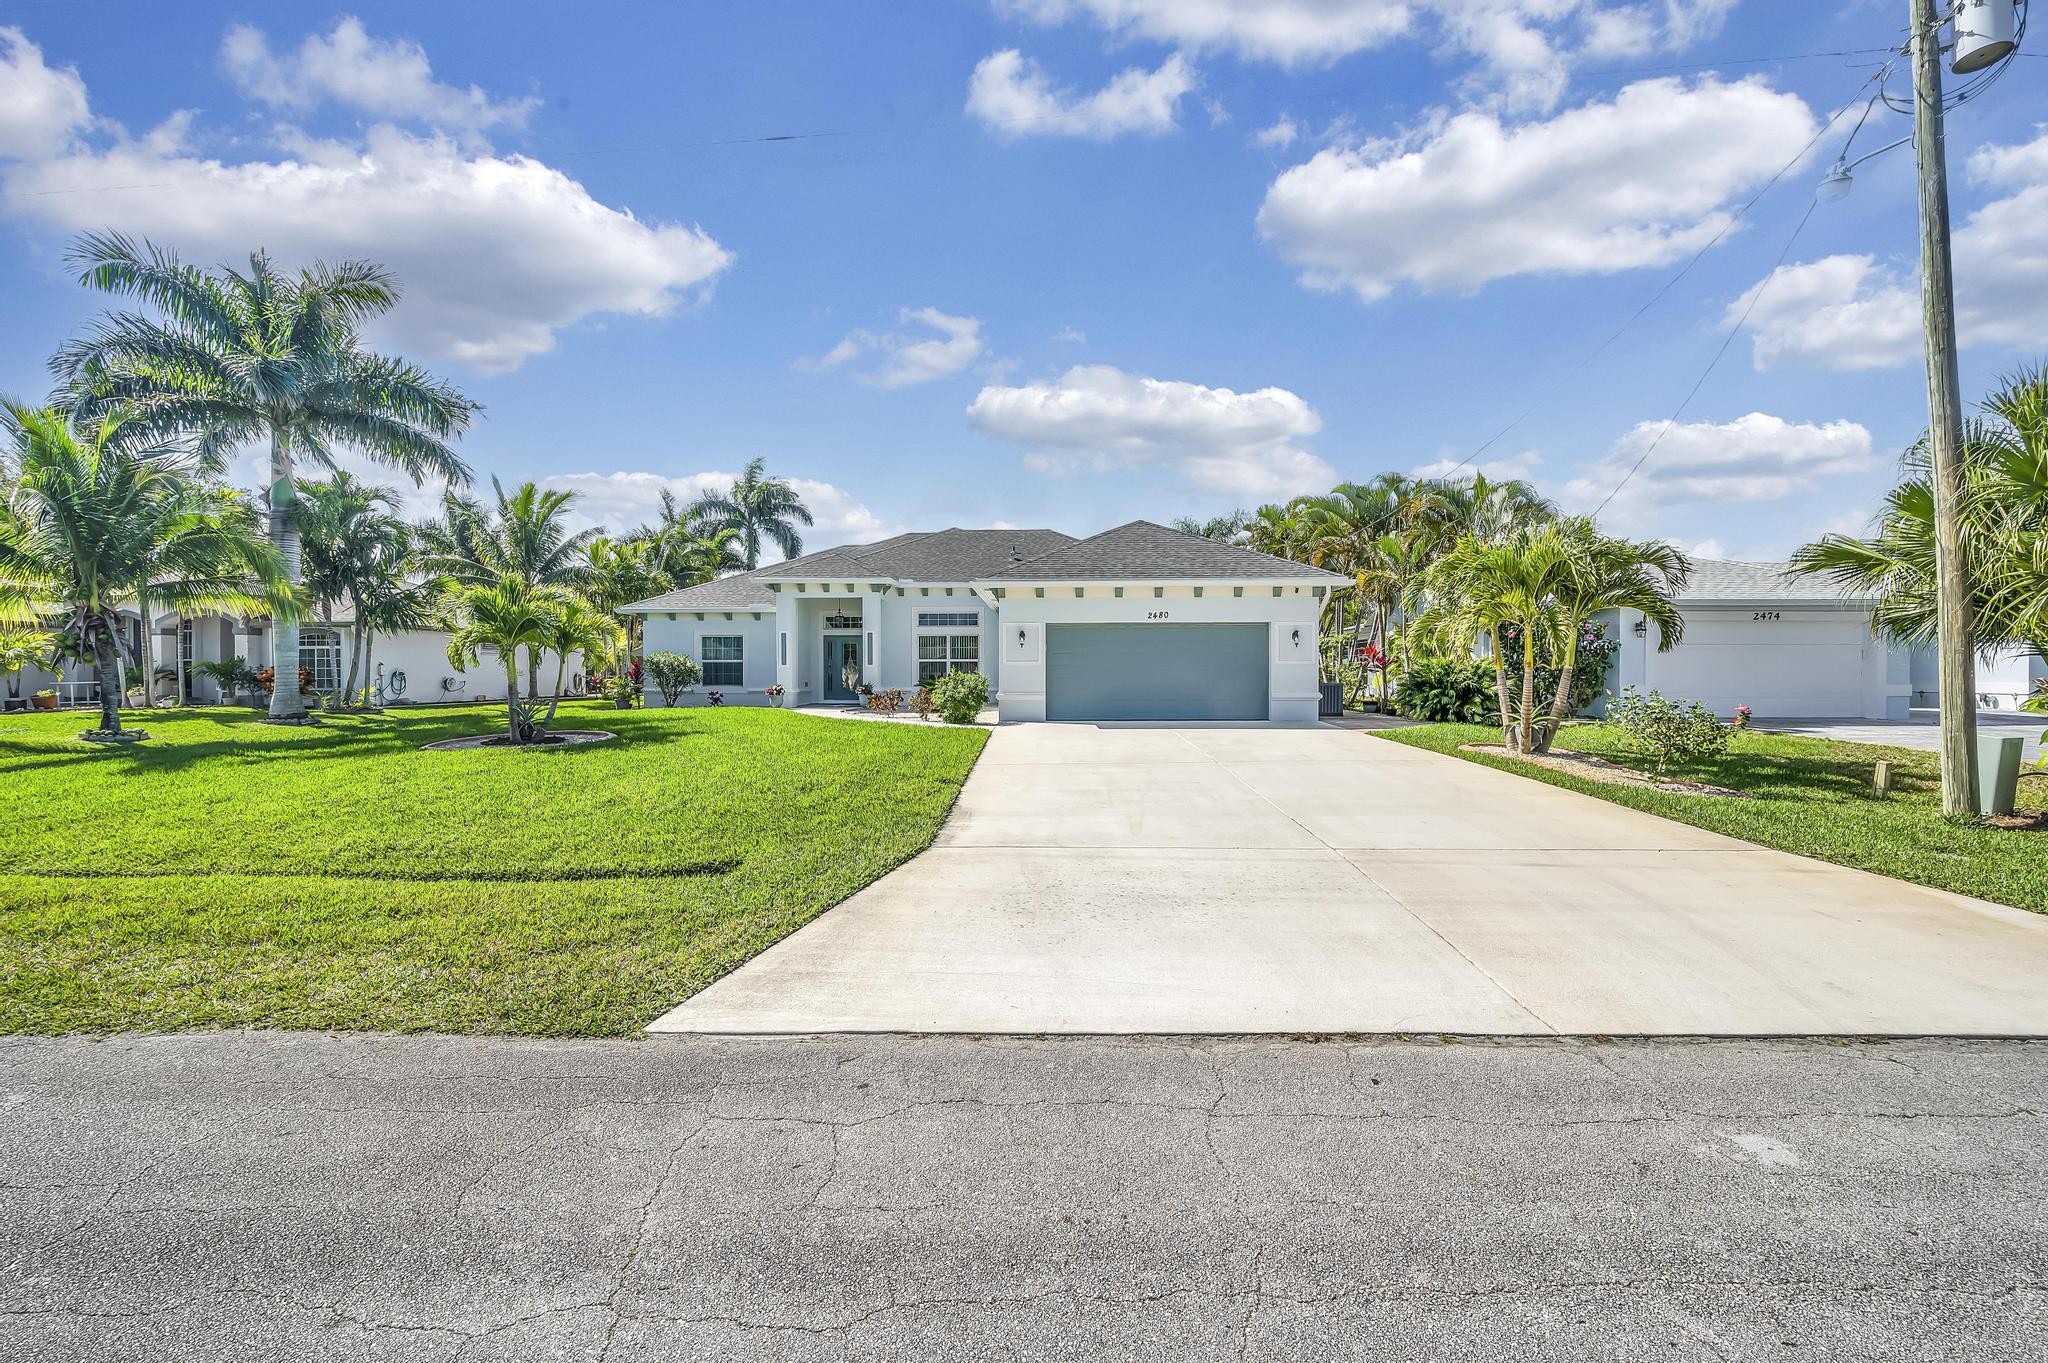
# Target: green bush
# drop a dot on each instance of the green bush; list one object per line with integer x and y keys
{"x": 673, "y": 674}
{"x": 1449, "y": 691}
{"x": 960, "y": 696}
{"x": 1668, "y": 731}
{"x": 1589, "y": 671}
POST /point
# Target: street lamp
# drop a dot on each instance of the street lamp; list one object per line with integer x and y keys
{"x": 1836, "y": 184}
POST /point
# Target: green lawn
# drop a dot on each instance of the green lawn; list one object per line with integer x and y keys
{"x": 231, "y": 873}
{"x": 1812, "y": 797}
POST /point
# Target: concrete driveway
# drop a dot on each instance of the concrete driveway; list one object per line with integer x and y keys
{"x": 1244, "y": 880}
{"x": 1922, "y": 731}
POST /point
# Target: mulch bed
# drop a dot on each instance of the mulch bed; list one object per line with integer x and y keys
{"x": 1600, "y": 769}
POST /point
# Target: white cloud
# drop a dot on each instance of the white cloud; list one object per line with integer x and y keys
{"x": 1642, "y": 179}
{"x": 495, "y": 253}
{"x": 1524, "y": 48}
{"x": 1499, "y": 468}
{"x": 385, "y": 79}
{"x": 1100, "y": 417}
{"x": 1754, "y": 458}
{"x": 907, "y": 359}
{"x": 1014, "y": 95}
{"x": 1279, "y": 133}
{"x": 41, "y": 107}
{"x": 1849, "y": 312}
{"x": 625, "y": 500}
{"x": 1071, "y": 336}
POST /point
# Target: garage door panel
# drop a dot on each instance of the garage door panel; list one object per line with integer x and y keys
{"x": 1156, "y": 671}
{"x": 1795, "y": 663}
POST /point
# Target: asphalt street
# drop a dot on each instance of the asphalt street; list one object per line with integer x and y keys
{"x": 241, "y": 1197}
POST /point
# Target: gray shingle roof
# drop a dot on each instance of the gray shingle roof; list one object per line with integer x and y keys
{"x": 937, "y": 556}
{"x": 1144, "y": 551}
{"x": 741, "y": 592}
{"x": 1715, "y": 579}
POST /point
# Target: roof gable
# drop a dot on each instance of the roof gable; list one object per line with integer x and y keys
{"x": 952, "y": 555}
{"x": 1144, "y": 550}
{"x": 1715, "y": 579}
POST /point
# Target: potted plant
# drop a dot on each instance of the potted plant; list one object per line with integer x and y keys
{"x": 45, "y": 699}
{"x": 774, "y": 693}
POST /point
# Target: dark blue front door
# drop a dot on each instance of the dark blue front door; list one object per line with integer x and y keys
{"x": 842, "y": 666}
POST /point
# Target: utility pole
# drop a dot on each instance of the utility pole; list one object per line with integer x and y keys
{"x": 1944, "y": 424}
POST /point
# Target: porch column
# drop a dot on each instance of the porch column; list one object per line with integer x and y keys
{"x": 871, "y": 638}
{"x": 788, "y": 644}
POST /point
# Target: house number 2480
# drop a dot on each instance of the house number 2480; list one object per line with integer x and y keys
{"x": 1155, "y": 615}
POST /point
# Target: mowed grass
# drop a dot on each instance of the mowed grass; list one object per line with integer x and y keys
{"x": 232, "y": 873}
{"x": 1812, "y": 796}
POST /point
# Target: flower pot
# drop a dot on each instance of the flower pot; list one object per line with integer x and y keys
{"x": 622, "y": 703}
{"x": 43, "y": 702}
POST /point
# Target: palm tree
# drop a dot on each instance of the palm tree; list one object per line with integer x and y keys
{"x": 351, "y": 544}
{"x": 2004, "y": 514}
{"x": 1225, "y": 529}
{"x": 1451, "y": 509}
{"x": 1601, "y": 574}
{"x": 241, "y": 357}
{"x": 1479, "y": 588}
{"x": 91, "y": 514}
{"x": 20, "y": 648}
{"x": 577, "y": 626}
{"x": 755, "y": 508}
{"x": 619, "y": 572}
{"x": 390, "y": 601}
{"x": 506, "y": 614}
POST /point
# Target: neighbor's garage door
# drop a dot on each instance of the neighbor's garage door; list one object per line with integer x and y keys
{"x": 1791, "y": 663}
{"x": 1155, "y": 671}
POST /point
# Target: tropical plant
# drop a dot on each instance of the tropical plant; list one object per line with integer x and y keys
{"x": 577, "y": 626}
{"x": 2004, "y": 516}
{"x": 389, "y": 601}
{"x": 504, "y": 615}
{"x": 673, "y": 674}
{"x": 20, "y": 649}
{"x": 1668, "y": 731}
{"x": 230, "y": 676}
{"x": 1603, "y": 573}
{"x": 960, "y": 696}
{"x": 260, "y": 355}
{"x": 1478, "y": 589}
{"x": 1225, "y": 529}
{"x": 617, "y": 573}
{"x": 352, "y": 550}
{"x": 754, "y": 508}
{"x": 684, "y": 550}
{"x": 1449, "y": 691}
{"x": 92, "y": 512}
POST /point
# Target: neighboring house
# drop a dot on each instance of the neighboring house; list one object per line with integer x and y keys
{"x": 1792, "y": 647}
{"x": 1139, "y": 622}
{"x": 408, "y": 666}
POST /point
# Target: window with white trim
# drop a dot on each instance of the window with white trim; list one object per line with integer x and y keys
{"x": 842, "y": 622}
{"x": 724, "y": 659}
{"x": 938, "y": 654}
{"x": 320, "y": 654}
{"x": 948, "y": 620}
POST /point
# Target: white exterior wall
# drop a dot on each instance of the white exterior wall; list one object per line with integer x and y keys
{"x": 2005, "y": 677}
{"x": 1803, "y": 661}
{"x": 1292, "y": 695}
{"x": 683, "y": 631}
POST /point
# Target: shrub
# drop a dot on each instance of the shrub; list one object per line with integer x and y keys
{"x": 960, "y": 696}
{"x": 267, "y": 680}
{"x": 1668, "y": 731}
{"x": 673, "y": 674}
{"x": 1589, "y": 669}
{"x": 923, "y": 703}
{"x": 1449, "y": 691}
{"x": 885, "y": 702}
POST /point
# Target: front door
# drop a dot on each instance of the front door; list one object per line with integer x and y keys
{"x": 842, "y": 667}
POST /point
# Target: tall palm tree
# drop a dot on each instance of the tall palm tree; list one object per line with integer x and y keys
{"x": 577, "y": 626}
{"x": 90, "y": 514}
{"x": 262, "y": 355}
{"x": 756, "y": 507}
{"x": 1482, "y": 507}
{"x": 619, "y": 572}
{"x": 390, "y": 600}
{"x": 2004, "y": 513}
{"x": 350, "y": 543}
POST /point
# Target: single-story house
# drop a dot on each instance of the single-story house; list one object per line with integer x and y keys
{"x": 1789, "y": 646}
{"x": 1139, "y": 622}
{"x": 406, "y": 666}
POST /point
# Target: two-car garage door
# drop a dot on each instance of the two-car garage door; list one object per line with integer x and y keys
{"x": 1156, "y": 671}
{"x": 1778, "y": 662}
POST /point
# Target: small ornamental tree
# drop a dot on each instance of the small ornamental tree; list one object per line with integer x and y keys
{"x": 960, "y": 696}
{"x": 673, "y": 674}
{"x": 1669, "y": 731}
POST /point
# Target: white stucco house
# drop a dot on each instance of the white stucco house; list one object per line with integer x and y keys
{"x": 1791, "y": 646}
{"x": 1139, "y": 622}
{"x": 407, "y": 666}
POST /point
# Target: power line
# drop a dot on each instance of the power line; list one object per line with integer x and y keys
{"x": 1684, "y": 270}
{"x": 1726, "y": 342}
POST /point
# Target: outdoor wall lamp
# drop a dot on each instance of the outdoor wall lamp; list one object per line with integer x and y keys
{"x": 1020, "y": 638}
{"x": 1642, "y": 629}
{"x": 1297, "y": 638}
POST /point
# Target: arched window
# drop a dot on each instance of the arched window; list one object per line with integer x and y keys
{"x": 320, "y": 653}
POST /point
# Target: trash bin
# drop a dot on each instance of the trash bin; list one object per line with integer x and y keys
{"x": 1332, "y": 704}
{"x": 1998, "y": 772}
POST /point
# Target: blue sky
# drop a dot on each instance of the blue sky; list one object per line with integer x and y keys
{"x": 1066, "y": 262}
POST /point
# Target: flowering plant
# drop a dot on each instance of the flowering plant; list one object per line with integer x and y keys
{"x": 1742, "y": 716}
{"x": 773, "y": 691}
